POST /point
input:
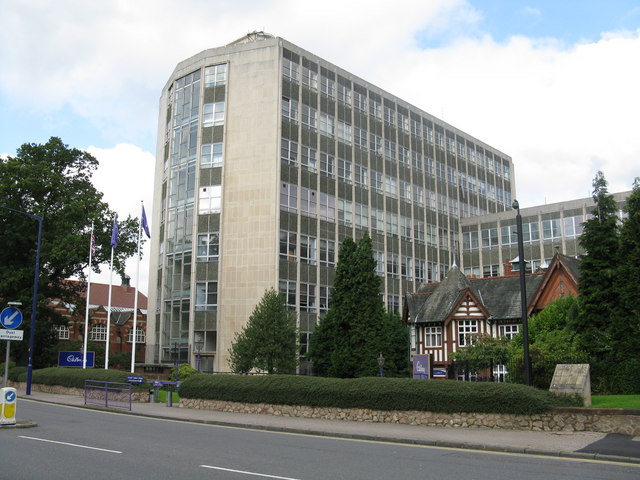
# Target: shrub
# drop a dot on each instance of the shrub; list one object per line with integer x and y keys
{"x": 446, "y": 396}
{"x": 69, "y": 377}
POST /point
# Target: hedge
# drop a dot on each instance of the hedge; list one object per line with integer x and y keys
{"x": 446, "y": 396}
{"x": 70, "y": 377}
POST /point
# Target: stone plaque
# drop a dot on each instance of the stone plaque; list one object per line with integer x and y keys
{"x": 572, "y": 379}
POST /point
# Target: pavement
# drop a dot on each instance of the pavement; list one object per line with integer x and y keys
{"x": 580, "y": 445}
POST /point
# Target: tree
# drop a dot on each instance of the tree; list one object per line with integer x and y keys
{"x": 52, "y": 181}
{"x": 483, "y": 353}
{"x": 598, "y": 293}
{"x": 268, "y": 341}
{"x": 356, "y": 329}
{"x": 625, "y": 325}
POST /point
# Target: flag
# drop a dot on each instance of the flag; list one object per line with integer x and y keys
{"x": 114, "y": 233}
{"x": 145, "y": 225}
{"x": 93, "y": 243}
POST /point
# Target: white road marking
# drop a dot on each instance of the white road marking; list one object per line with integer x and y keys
{"x": 248, "y": 473}
{"x": 70, "y": 444}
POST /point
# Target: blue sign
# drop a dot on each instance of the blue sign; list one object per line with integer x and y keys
{"x": 421, "y": 366}
{"x": 74, "y": 359}
{"x": 135, "y": 379}
{"x": 440, "y": 373}
{"x": 11, "y": 317}
{"x": 10, "y": 396}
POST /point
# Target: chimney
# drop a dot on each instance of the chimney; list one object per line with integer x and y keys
{"x": 508, "y": 269}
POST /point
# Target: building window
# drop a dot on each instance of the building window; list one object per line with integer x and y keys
{"x": 327, "y": 207}
{"x": 508, "y": 331}
{"x": 327, "y": 86}
{"x": 288, "y": 245}
{"x": 375, "y": 109}
{"x": 406, "y": 267}
{"x": 309, "y": 117}
{"x": 360, "y": 138}
{"x": 308, "y": 249}
{"x": 405, "y": 227}
{"x": 421, "y": 271}
{"x": 360, "y": 102}
{"x": 389, "y": 116}
{"x": 290, "y": 70}
{"x": 213, "y": 114}
{"x": 63, "y": 332}
{"x": 344, "y": 170}
{"x": 344, "y": 132}
{"x": 208, "y": 247}
{"x": 491, "y": 270}
{"x": 405, "y": 191}
{"x": 327, "y": 124}
{"x": 307, "y": 297}
{"x": 345, "y": 215}
{"x": 390, "y": 150}
{"x": 140, "y": 336}
{"x": 327, "y": 252}
{"x": 288, "y": 289}
{"x": 206, "y": 296}
{"x": 98, "y": 333}
{"x": 309, "y": 78}
{"x": 361, "y": 176}
{"x": 215, "y": 75}
{"x": 551, "y": 229}
{"x": 362, "y": 216}
{"x": 392, "y": 224}
{"x": 375, "y": 144}
{"x": 344, "y": 94}
{"x": 433, "y": 336}
{"x": 393, "y": 265}
{"x": 289, "y": 109}
{"x": 289, "y": 151}
{"x": 377, "y": 220}
{"x": 308, "y": 203}
{"x": 393, "y": 303}
{"x": 211, "y": 155}
{"x": 327, "y": 165}
{"x": 376, "y": 181}
{"x": 289, "y": 197}
{"x": 379, "y": 258}
{"x": 324, "y": 298}
{"x": 467, "y": 329}
{"x": 210, "y": 200}
{"x": 309, "y": 159}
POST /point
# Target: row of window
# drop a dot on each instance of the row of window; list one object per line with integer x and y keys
{"x": 467, "y": 330}
{"x": 312, "y": 298}
{"x": 98, "y": 333}
{"x": 551, "y": 230}
{"x": 373, "y": 106}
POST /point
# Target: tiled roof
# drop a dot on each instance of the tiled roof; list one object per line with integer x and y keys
{"x": 500, "y": 296}
{"x": 122, "y": 296}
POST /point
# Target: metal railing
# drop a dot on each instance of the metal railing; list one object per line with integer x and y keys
{"x": 107, "y": 394}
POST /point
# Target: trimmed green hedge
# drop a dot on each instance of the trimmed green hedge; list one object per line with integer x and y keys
{"x": 70, "y": 377}
{"x": 446, "y": 396}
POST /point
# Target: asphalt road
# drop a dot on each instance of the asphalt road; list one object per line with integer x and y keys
{"x": 72, "y": 443}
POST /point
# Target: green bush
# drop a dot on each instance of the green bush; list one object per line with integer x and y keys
{"x": 446, "y": 396}
{"x": 185, "y": 371}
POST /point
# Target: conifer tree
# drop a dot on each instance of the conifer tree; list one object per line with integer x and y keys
{"x": 356, "y": 330}
{"x": 268, "y": 341}
{"x": 597, "y": 287}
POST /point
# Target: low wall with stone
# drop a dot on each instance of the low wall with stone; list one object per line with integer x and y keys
{"x": 136, "y": 395}
{"x": 559, "y": 420}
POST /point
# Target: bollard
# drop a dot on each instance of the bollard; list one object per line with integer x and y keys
{"x": 169, "y": 396}
{"x": 8, "y": 398}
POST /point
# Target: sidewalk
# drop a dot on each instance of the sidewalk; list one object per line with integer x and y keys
{"x": 558, "y": 444}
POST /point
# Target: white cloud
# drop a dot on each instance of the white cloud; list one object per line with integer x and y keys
{"x": 125, "y": 177}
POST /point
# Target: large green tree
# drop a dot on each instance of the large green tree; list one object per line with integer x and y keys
{"x": 356, "y": 330}
{"x": 597, "y": 285}
{"x": 52, "y": 181}
{"x": 268, "y": 340}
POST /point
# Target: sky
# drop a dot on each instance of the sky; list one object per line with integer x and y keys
{"x": 553, "y": 84}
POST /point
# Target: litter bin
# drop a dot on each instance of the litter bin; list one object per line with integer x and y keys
{"x": 169, "y": 394}
{"x": 8, "y": 396}
{"x": 153, "y": 393}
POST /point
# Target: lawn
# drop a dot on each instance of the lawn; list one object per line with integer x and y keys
{"x": 615, "y": 401}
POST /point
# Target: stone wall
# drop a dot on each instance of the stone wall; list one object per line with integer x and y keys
{"x": 559, "y": 420}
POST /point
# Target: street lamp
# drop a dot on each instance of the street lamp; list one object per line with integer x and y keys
{"x": 199, "y": 343}
{"x": 523, "y": 295}
{"x": 381, "y": 364}
{"x": 35, "y": 297}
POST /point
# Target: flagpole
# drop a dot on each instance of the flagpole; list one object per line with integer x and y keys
{"x": 135, "y": 301}
{"x": 86, "y": 315}
{"x": 114, "y": 244}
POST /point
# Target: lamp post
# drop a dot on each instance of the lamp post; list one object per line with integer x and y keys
{"x": 381, "y": 364}
{"x": 199, "y": 343}
{"x": 35, "y": 297}
{"x": 523, "y": 295}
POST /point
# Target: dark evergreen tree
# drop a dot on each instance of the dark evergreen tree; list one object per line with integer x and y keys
{"x": 625, "y": 325}
{"x": 268, "y": 342}
{"x": 356, "y": 330}
{"x": 598, "y": 266}
{"x": 52, "y": 181}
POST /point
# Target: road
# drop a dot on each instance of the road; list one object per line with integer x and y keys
{"x": 71, "y": 443}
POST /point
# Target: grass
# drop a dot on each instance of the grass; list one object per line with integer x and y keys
{"x": 615, "y": 401}
{"x": 162, "y": 397}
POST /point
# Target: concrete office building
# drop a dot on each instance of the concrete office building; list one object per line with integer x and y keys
{"x": 267, "y": 158}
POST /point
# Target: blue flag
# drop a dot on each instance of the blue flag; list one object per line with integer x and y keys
{"x": 114, "y": 233}
{"x": 145, "y": 225}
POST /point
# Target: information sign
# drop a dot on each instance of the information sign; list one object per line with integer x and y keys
{"x": 15, "y": 335}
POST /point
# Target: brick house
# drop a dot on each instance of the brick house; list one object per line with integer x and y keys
{"x": 445, "y": 316}
{"x": 121, "y": 330}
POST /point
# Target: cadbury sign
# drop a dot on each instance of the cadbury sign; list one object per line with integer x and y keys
{"x": 74, "y": 359}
